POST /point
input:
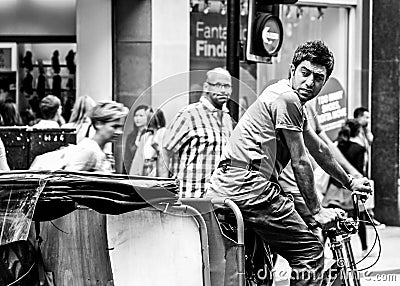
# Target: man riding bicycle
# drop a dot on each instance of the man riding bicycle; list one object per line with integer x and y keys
{"x": 274, "y": 130}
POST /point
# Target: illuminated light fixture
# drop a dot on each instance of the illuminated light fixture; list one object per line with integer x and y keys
{"x": 313, "y": 14}
{"x": 320, "y": 14}
{"x": 243, "y": 9}
{"x": 299, "y": 12}
{"x": 317, "y": 14}
{"x": 222, "y": 11}
{"x": 206, "y": 7}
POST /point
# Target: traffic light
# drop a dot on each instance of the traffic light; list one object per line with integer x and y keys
{"x": 264, "y": 30}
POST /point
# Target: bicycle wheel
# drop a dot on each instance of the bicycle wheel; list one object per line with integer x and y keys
{"x": 259, "y": 262}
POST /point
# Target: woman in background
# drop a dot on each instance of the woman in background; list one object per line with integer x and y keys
{"x": 10, "y": 114}
{"x": 80, "y": 117}
{"x": 81, "y": 248}
{"x": 141, "y": 117}
{"x": 145, "y": 161}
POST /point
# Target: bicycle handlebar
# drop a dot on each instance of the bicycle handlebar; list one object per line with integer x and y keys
{"x": 356, "y": 213}
{"x": 345, "y": 225}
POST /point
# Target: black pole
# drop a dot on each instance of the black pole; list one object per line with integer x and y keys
{"x": 232, "y": 54}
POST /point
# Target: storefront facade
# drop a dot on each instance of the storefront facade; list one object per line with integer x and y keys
{"x": 167, "y": 44}
{"x": 42, "y": 27}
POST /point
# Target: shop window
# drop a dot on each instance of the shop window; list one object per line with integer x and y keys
{"x": 8, "y": 74}
{"x": 46, "y": 69}
{"x": 208, "y": 44}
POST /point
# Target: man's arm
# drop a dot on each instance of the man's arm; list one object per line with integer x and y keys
{"x": 302, "y": 169}
{"x": 339, "y": 156}
{"x": 163, "y": 163}
{"x": 176, "y": 135}
{"x": 368, "y": 135}
{"x": 317, "y": 127}
{"x": 305, "y": 178}
{"x": 321, "y": 153}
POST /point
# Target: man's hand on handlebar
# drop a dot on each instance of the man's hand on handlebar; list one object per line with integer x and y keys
{"x": 362, "y": 187}
{"x": 328, "y": 215}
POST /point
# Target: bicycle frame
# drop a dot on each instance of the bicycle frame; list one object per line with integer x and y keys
{"x": 344, "y": 267}
{"x": 340, "y": 237}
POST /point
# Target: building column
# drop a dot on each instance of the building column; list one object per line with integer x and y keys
{"x": 385, "y": 109}
{"x": 170, "y": 56}
{"x": 132, "y": 49}
{"x": 132, "y": 58}
{"x": 94, "y": 49}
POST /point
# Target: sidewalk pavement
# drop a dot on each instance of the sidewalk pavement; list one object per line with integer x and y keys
{"x": 386, "y": 271}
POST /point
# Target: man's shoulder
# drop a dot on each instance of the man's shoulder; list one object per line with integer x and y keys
{"x": 191, "y": 109}
{"x": 195, "y": 105}
{"x": 280, "y": 89}
{"x": 281, "y": 86}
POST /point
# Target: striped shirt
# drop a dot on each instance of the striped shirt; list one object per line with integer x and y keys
{"x": 196, "y": 137}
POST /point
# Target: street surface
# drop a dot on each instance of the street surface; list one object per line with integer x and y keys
{"x": 386, "y": 272}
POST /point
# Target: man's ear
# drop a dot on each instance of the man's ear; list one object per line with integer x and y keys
{"x": 292, "y": 70}
{"x": 206, "y": 86}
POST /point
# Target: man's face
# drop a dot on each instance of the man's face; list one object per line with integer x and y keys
{"x": 110, "y": 130}
{"x": 308, "y": 79}
{"x": 364, "y": 119}
{"x": 218, "y": 88}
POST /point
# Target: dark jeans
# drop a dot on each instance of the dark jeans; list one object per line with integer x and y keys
{"x": 277, "y": 222}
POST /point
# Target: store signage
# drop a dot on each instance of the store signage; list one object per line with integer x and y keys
{"x": 208, "y": 35}
{"x": 272, "y": 34}
{"x": 331, "y": 105}
{"x": 38, "y": 17}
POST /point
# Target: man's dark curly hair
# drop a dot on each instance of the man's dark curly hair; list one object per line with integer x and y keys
{"x": 316, "y": 52}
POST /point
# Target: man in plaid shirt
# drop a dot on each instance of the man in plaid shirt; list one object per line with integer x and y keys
{"x": 193, "y": 141}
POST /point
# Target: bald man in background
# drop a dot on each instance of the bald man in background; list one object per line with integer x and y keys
{"x": 193, "y": 141}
